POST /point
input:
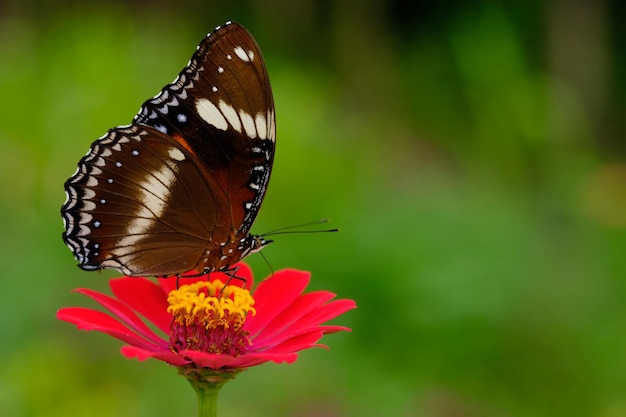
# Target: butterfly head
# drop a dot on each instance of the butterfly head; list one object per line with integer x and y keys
{"x": 255, "y": 244}
{"x": 237, "y": 250}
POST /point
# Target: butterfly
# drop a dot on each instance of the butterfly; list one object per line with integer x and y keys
{"x": 180, "y": 187}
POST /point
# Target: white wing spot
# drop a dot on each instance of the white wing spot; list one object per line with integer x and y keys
{"x": 134, "y": 152}
{"x": 272, "y": 126}
{"x": 118, "y": 164}
{"x": 214, "y": 89}
{"x": 261, "y": 125}
{"x": 248, "y": 124}
{"x": 176, "y": 154}
{"x": 220, "y": 70}
{"x": 242, "y": 54}
{"x": 181, "y": 118}
{"x": 231, "y": 115}
{"x": 211, "y": 114}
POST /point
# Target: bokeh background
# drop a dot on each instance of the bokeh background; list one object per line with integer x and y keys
{"x": 472, "y": 152}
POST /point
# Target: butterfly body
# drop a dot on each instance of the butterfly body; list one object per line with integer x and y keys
{"x": 179, "y": 188}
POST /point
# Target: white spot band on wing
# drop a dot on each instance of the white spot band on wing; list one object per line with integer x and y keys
{"x": 211, "y": 114}
{"x": 224, "y": 114}
{"x": 248, "y": 124}
{"x": 153, "y": 195}
{"x": 176, "y": 154}
{"x": 231, "y": 115}
{"x": 272, "y": 126}
{"x": 261, "y": 125}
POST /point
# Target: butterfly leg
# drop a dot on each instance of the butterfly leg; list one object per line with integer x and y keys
{"x": 232, "y": 275}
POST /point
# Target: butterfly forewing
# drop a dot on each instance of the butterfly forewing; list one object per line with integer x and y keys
{"x": 180, "y": 188}
{"x": 221, "y": 107}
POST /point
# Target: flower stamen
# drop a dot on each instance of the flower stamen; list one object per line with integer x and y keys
{"x": 209, "y": 317}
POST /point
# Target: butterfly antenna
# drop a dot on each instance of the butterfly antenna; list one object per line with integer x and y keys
{"x": 289, "y": 229}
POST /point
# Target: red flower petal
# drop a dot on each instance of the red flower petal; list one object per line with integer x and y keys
{"x": 334, "y": 329}
{"x": 164, "y": 355}
{"x": 299, "y": 342}
{"x": 125, "y": 314}
{"x": 87, "y": 319}
{"x": 300, "y": 317}
{"x": 145, "y": 297}
{"x": 216, "y": 361}
{"x": 318, "y": 316}
{"x": 253, "y": 359}
{"x": 292, "y": 314}
{"x": 274, "y": 295}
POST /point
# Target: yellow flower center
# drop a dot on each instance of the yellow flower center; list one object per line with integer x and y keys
{"x": 209, "y": 316}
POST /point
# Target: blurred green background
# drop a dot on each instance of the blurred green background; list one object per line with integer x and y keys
{"x": 472, "y": 153}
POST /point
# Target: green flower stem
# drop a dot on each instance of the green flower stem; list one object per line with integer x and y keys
{"x": 207, "y": 384}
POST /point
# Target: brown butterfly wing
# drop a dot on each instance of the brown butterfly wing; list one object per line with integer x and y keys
{"x": 180, "y": 188}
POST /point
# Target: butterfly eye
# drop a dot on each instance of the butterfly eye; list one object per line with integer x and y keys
{"x": 180, "y": 187}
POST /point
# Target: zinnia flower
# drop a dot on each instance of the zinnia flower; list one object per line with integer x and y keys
{"x": 209, "y": 326}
